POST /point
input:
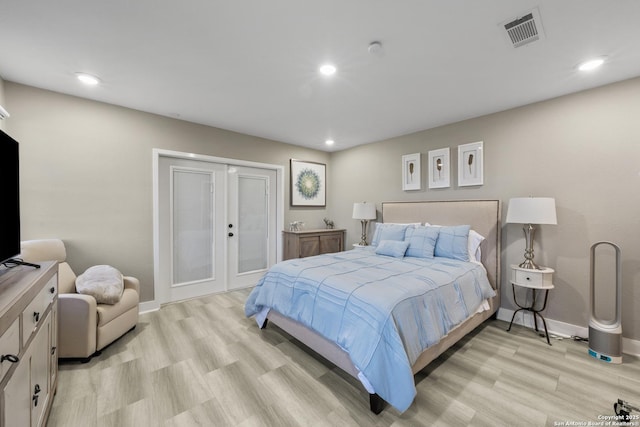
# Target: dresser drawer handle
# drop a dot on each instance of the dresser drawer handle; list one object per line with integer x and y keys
{"x": 10, "y": 357}
{"x": 36, "y": 391}
{"x": 36, "y": 316}
{"x": 52, "y": 290}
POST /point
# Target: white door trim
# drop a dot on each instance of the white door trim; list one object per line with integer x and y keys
{"x": 156, "y": 154}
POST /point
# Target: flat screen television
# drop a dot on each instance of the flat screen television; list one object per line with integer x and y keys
{"x": 9, "y": 198}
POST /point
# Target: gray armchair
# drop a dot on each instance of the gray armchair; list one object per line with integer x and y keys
{"x": 84, "y": 326}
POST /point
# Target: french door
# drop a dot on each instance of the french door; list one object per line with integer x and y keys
{"x": 217, "y": 227}
{"x": 252, "y": 226}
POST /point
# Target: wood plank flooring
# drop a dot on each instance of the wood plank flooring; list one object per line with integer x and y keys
{"x": 202, "y": 363}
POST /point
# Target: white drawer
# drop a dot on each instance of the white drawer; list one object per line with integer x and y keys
{"x": 52, "y": 288}
{"x": 531, "y": 278}
{"x": 9, "y": 347}
{"x": 35, "y": 311}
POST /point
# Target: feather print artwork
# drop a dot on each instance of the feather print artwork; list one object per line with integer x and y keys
{"x": 470, "y": 162}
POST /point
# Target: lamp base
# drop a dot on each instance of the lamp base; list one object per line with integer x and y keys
{"x": 363, "y": 237}
{"x": 529, "y": 232}
{"x": 529, "y": 264}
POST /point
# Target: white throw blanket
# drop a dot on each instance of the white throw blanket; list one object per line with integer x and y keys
{"x": 102, "y": 282}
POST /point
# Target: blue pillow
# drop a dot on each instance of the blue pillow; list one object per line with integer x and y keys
{"x": 453, "y": 242}
{"x": 389, "y": 232}
{"x": 394, "y": 248}
{"x": 422, "y": 241}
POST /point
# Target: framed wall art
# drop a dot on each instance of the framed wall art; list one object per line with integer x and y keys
{"x": 411, "y": 176}
{"x": 308, "y": 183}
{"x": 439, "y": 168}
{"x": 470, "y": 164}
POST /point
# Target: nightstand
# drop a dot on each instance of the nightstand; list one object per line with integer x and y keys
{"x": 536, "y": 280}
{"x": 304, "y": 243}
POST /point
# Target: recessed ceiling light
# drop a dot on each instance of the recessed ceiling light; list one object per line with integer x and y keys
{"x": 328, "y": 69}
{"x": 88, "y": 79}
{"x": 329, "y": 142}
{"x": 592, "y": 64}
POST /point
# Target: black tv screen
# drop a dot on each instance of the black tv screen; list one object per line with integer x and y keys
{"x": 9, "y": 198}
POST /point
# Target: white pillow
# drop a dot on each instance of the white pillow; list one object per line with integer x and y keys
{"x": 102, "y": 282}
{"x": 474, "y": 241}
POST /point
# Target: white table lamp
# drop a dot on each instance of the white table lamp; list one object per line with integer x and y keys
{"x": 529, "y": 211}
{"x": 364, "y": 212}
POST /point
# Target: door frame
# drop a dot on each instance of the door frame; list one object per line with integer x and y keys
{"x": 155, "y": 303}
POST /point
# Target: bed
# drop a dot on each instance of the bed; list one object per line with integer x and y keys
{"x": 313, "y": 286}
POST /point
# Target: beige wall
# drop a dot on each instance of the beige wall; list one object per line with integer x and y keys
{"x": 582, "y": 149}
{"x": 3, "y": 103}
{"x": 86, "y": 177}
{"x": 86, "y": 174}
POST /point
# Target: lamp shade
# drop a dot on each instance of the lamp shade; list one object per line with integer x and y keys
{"x": 532, "y": 210}
{"x": 364, "y": 210}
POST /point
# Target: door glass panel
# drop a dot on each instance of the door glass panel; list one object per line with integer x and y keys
{"x": 252, "y": 223}
{"x": 193, "y": 231}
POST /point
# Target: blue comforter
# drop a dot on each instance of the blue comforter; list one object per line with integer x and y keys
{"x": 382, "y": 311}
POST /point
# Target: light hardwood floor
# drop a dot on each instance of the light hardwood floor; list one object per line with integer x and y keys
{"x": 202, "y": 363}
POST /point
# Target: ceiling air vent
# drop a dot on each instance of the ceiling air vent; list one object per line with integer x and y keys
{"x": 524, "y": 29}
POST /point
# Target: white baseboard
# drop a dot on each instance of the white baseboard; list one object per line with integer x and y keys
{"x": 562, "y": 329}
{"x": 147, "y": 306}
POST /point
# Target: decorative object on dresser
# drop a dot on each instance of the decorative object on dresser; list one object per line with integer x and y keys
{"x": 86, "y": 326}
{"x": 296, "y": 226}
{"x": 470, "y": 164}
{"x": 364, "y": 212}
{"x": 305, "y": 243}
{"x": 529, "y": 211}
{"x": 537, "y": 280}
{"x": 411, "y": 175}
{"x": 329, "y": 223}
{"x": 28, "y": 344}
{"x": 308, "y": 183}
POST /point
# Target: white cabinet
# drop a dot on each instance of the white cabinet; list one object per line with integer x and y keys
{"x": 16, "y": 398}
{"x": 28, "y": 344}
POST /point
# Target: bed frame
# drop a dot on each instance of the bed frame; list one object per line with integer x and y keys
{"x": 483, "y": 216}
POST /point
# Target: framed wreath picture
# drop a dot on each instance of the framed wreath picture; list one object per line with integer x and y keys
{"x": 308, "y": 183}
{"x": 470, "y": 164}
{"x": 439, "y": 168}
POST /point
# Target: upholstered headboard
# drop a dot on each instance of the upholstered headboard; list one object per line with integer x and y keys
{"x": 482, "y": 215}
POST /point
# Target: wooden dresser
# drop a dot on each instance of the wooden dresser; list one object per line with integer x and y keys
{"x": 28, "y": 344}
{"x": 300, "y": 244}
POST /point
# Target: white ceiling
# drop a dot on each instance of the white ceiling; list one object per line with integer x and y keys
{"x": 251, "y": 65}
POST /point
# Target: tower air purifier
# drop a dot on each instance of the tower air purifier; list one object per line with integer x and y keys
{"x": 605, "y": 335}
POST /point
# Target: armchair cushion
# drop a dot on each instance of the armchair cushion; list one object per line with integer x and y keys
{"x": 51, "y": 250}
{"x": 103, "y": 282}
{"x": 106, "y": 312}
{"x": 43, "y": 250}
